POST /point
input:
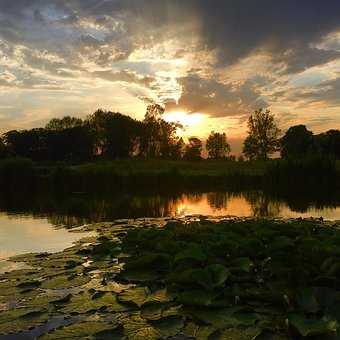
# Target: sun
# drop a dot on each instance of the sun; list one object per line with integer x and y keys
{"x": 185, "y": 118}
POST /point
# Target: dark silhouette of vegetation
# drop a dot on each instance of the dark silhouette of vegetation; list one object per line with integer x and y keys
{"x": 217, "y": 145}
{"x": 263, "y": 136}
{"x": 297, "y": 142}
{"x": 112, "y": 135}
{"x": 328, "y": 143}
{"x": 193, "y": 150}
{"x": 115, "y": 135}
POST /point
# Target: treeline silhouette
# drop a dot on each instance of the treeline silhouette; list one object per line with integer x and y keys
{"x": 112, "y": 135}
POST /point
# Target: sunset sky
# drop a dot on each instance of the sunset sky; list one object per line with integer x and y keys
{"x": 211, "y": 63}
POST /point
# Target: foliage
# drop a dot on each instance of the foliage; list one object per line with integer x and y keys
{"x": 262, "y": 137}
{"x": 116, "y": 135}
{"x": 217, "y": 145}
{"x": 193, "y": 150}
{"x": 67, "y": 122}
{"x": 158, "y": 138}
{"x": 328, "y": 143}
{"x": 213, "y": 279}
{"x": 298, "y": 142}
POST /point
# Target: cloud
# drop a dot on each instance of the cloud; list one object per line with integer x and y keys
{"x": 327, "y": 92}
{"x": 222, "y": 57}
{"x": 124, "y": 76}
{"x": 215, "y": 98}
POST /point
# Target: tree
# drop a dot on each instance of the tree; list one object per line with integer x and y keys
{"x": 193, "y": 149}
{"x": 262, "y": 137}
{"x": 116, "y": 135}
{"x": 159, "y": 138}
{"x": 27, "y": 143}
{"x": 217, "y": 145}
{"x": 297, "y": 142}
{"x": 67, "y": 122}
{"x": 3, "y": 149}
{"x": 328, "y": 143}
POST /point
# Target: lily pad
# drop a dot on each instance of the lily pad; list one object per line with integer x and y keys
{"x": 307, "y": 327}
{"x": 18, "y": 320}
{"x": 135, "y": 296}
{"x": 84, "y": 303}
{"x": 82, "y": 330}
{"x": 64, "y": 281}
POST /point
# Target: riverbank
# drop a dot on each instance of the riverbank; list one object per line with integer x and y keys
{"x": 195, "y": 277}
{"x": 170, "y": 176}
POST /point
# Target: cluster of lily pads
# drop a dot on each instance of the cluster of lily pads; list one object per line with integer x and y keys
{"x": 189, "y": 278}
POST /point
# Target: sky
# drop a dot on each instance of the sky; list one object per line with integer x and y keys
{"x": 210, "y": 63}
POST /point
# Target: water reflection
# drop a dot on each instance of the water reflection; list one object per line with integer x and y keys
{"x": 78, "y": 209}
{"x": 38, "y": 224}
{"x": 24, "y": 234}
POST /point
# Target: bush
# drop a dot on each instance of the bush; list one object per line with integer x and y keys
{"x": 17, "y": 174}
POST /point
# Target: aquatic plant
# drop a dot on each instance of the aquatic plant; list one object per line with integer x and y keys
{"x": 197, "y": 278}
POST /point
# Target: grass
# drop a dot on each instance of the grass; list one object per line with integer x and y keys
{"x": 162, "y": 175}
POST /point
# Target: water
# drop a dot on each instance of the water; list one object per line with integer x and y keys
{"x": 25, "y": 234}
{"x": 39, "y": 224}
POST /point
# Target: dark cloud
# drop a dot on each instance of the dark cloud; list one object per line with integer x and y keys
{"x": 215, "y": 98}
{"x": 234, "y": 28}
{"x": 327, "y": 91}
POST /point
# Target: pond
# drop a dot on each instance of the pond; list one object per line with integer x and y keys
{"x": 40, "y": 224}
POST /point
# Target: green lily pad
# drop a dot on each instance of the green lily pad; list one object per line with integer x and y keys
{"x": 136, "y": 328}
{"x": 307, "y": 301}
{"x": 199, "y": 332}
{"x": 307, "y": 327}
{"x": 21, "y": 319}
{"x": 84, "y": 303}
{"x": 239, "y": 334}
{"x": 82, "y": 330}
{"x": 226, "y": 317}
{"x": 169, "y": 326}
{"x": 242, "y": 264}
{"x": 136, "y": 296}
{"x": 64, "y": 281}
{"x": 196, "y": 297}
{"x": 193, "y": 252}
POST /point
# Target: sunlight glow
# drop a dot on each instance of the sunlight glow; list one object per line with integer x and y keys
{"x": 185, "y": 118}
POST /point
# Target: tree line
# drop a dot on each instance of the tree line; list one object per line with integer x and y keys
{"x": 112, "y": 135}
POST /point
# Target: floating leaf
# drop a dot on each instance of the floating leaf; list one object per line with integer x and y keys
{"x": 242, "y": 264}
{"x": 82, "y": 330}
{"x": 21, "y": 319}
{"x": 193, "y": 252}
{"x": 63, "y": 281}
{"x": 307, "y": 327}
{"x": 239, "y": 334}
{"x": 169, "y": 326}
{"x": 83, "y": 303}
{"x": 306, "y": 300}
{"x": 196, "y": 297}
{"x": 136, "y": 296}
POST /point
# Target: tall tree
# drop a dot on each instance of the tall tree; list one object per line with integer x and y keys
{"x": 67, "y": 122}
{"x": 193, "y": 149}
{"x": 28, "y": 143}
{"x": 3, "y": 149}
{"x": 159, "y": 137}
{"x": 217, "y": 145}
{"x": 116, "y": 135}
{"x": 297, "y": 142}
{"x": 328, "y": 143}
{"x": 263, "y": 135}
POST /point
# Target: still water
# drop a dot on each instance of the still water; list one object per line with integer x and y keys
{"x": 41, "y": 223}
